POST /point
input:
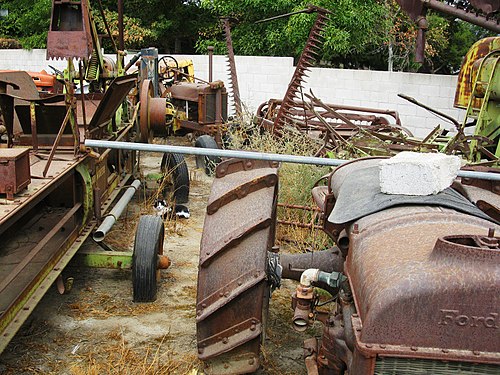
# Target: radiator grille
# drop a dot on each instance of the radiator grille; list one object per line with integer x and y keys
{"x": 409, "y": 366}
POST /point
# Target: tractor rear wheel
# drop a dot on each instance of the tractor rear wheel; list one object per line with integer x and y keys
{"x": 233, "y": 289}
{"x": 148, "y": 246}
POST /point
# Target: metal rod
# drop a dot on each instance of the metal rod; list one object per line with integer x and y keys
{"x": 210, "y": 63}
{"x": 117, "y": 210}
{"x": 430, "y": 109}
{"x": 310, "y": 9}
{"x": 121, "y": 43}
{"x": 56, "y": 142}
{"x": 252, "y": 155}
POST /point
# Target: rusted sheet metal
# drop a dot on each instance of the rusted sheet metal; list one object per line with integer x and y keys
{"x": 232, "y": 285}
{"x": 69, "y": 34}
{"x": 468, "y": 71}
{"x": 113, "y": 98}
{"x": 10, "y": 211}
{"x": 189, "y": 91}
{"x": 419, "y": 295}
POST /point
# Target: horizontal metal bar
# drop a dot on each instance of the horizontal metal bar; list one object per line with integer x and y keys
{"x": 253, "y": 155}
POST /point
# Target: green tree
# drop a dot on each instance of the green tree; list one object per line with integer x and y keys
{"x": 28, "y": 22}
{"x": 355, "y": 31}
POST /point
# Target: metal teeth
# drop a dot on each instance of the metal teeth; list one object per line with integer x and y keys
{"x": 307, "y": 58}
{"x": 233, "y": 78}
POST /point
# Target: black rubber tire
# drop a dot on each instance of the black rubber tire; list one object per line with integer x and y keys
{"x": 174, "y": 167}
{"x": 148, "y": 246}
{"x": 208, "y": 163}
{"x": 233, "y": 290}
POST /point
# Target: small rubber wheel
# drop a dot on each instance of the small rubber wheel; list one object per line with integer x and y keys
{"x": 148, "y": 246}
{"x": 208, "y": 163}
{"x": 175, "y": 171}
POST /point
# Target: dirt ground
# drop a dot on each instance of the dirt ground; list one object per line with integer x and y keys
{"x": 97, "y": 329}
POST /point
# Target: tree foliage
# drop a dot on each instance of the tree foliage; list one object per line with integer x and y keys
{"x": 355, "y": 30}
{"x": 28, "y": 22}
{"x": 359, "y": 34}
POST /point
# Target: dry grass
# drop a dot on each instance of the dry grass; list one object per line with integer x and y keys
{"x": 102, "y": 306}
{"x": 117, "y": 357}
{"x": 296, "y": 183}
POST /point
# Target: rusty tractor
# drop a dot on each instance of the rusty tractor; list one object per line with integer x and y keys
{"x": 414, "y": 280}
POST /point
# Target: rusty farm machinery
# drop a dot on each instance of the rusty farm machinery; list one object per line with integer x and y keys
{"x": 413, "y": 279}
{"x": 55, "y": 192}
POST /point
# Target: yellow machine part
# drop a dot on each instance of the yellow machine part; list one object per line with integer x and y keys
{"x": 186, "y": 67}
{"x": 468, "y": 71}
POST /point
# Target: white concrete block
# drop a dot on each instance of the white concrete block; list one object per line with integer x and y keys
{"x": 413, "y": 173}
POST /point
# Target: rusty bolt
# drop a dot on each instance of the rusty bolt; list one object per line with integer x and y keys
{"x": 252, "y": 327}
{"x": 203, "y": 305}
{"x": 226, "y": 294}
{"x": 414, "y": 348}
{"x": 382, "y": 346}
{"x": 225, "y": 340}
{"x": 200, "y": 350}
{"x": 248, "y": 164}
{"x": 221, "y": 294}
{"x": 445, "y": 350}
{"x": 251, "y": 361}
{"x": 240, "y": 283}
{"x": 355, "y": 229}
{"x": 476, "y": 352}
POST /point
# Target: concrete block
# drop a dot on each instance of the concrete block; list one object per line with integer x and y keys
{"x": 413, "y": 173}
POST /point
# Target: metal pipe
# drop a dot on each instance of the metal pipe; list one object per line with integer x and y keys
{"x": 115, "y": 213}
{"x": 294, "y": 264}
{"x": 121, "y": 43}
{"x": 471, "y": 17}
{"x": 210, "y": 63}
{"x": 252, "y": 155}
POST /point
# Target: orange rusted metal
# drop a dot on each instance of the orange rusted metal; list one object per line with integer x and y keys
{"x": 163, "y": 262}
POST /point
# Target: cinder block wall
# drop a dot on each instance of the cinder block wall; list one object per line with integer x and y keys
{"x": 261, "y": 78}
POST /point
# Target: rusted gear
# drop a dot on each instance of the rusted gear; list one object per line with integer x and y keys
{"x": 233, "y": 290}
{"x": 233, "y": 77}
{"x": 307, "y": 58}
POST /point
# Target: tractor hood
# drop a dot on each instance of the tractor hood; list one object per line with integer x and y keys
{"x": 421, "y": 279}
